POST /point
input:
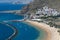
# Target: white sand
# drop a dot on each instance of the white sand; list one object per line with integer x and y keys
{"x": 52, "y": 33}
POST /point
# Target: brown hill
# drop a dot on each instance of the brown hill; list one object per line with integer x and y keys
{"x": 40, "y": 3}
{"x": 36, "y": 4}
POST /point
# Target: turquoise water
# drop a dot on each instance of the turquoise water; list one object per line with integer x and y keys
{"x": 5, "y": 31}
{"x": 25, "y": 31}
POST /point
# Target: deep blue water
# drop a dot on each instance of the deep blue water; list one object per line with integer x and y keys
{"x": 25, "y": 31}
{"x": 10, "y": 16}
{"x": 5, "y": 31}
{"x": 9, "y": 6}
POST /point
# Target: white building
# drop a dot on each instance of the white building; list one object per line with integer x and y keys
{"x": 40, "y": 20}
{"x": 39, "y": 11}
{"x": 48, "y": 11}
{"x": 45, "y": 8}
{"x": 45, "y": 12}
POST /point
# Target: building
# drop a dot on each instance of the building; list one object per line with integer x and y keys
{"x": 47, "y": 11}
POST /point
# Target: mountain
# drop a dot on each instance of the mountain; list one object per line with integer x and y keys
{"x": 36, "y": 4}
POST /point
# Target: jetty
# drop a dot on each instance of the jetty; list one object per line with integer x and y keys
{"x": 11, "y": 11}
{"x": 15, "y": 30}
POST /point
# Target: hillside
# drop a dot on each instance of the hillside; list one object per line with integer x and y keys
{"x": 36, "y": 4}
{"x": 40, "y": 3}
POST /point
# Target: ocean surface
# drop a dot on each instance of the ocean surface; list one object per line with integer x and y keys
{"x": 24, "y": 30}
{"x": 5, "y": 31}
{"x": 10, "y": 16}
{"x": 10, "y": 6}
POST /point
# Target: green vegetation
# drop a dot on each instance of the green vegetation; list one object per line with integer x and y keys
{"x": 59, "y": 31}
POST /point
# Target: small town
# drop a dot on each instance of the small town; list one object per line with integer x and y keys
{"x": 29, "y": 19}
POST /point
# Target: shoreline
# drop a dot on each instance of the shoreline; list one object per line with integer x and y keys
{"x": 52, "y": 33}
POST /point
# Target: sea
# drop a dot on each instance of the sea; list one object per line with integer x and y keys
{"x": 10, "y": 6}
{"x": 25, "y": 31}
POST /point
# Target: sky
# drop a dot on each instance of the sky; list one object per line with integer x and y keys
{"x": 22, "y": 1}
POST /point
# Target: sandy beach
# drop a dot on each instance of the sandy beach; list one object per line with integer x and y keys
{"x": 52, "y": 33}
